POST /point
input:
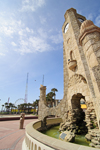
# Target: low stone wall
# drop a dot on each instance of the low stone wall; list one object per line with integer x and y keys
{"x": 34, "y": 140}
{"x": 17, "y": 118}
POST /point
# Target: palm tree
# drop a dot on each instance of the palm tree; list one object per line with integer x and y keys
{"x": 2, "y": 107}
{"x": 49, "y": 98}
{"x": 54, "y": 90}
{"x": 25, "y": 106}
{"x": 21, "y": 107}
{"x": 11, "y": 106}
{"x": 29, "y": 106}
{"x": 6, "y": 104}
{"x": 18, "y": 108}
{"x": 15, "y": 108}
{"x": 7, "y": 108}
{"x": 35, "y": 104}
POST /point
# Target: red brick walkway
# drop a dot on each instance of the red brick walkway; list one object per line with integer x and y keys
{"x": 11, "y": 137}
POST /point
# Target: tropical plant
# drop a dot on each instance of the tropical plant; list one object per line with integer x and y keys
{"x": 2, "y": 107}
{"x": 35, "y": 104}
{"x": 11, "y": 106}
{"x": 54, "y": 90}
{"x": 49, "y": 98}
{"x": 25, "y": 107}
{"x": 15, "y": 107}
{"x": 6, "y": 106}
{"x": 21, "y": 107}
{"x": 29, "y": 106}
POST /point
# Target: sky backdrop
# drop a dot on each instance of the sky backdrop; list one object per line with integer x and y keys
{"x": 31, "y": 42}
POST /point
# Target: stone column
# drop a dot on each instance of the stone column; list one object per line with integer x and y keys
{"x": 43, "y": 94}
{"x": 22, "y": 117}
{"x": 42, "y": 102}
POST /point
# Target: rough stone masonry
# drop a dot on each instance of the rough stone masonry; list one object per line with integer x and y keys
{"x": 81, "y": 65}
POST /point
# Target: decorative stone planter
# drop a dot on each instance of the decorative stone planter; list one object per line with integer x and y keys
{"x": 72, "y": 64}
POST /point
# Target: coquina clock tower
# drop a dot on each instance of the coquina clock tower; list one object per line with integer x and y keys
{"x": 81, "y": 74}
{"x": 81, "y": 55}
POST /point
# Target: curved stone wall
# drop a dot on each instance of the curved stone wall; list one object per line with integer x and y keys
{"x": 34, "y": 140}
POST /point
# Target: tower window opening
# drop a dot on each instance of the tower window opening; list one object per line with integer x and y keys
{"x": 71, "y": 55}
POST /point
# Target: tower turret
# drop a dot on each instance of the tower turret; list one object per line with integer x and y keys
{"x": 90, "y": 41}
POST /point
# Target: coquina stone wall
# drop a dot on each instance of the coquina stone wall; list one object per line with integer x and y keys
{"x": 81, "y": 65}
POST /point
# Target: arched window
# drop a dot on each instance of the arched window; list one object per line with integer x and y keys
{"x": 71, "y": 55}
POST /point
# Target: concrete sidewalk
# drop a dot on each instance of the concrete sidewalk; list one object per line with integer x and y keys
{"x": 11, "y": 137}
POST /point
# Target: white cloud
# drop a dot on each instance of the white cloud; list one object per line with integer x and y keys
{"x": 10, "y": 26}
{"x": 57, "y": 38}
{"x": 7, "y": 30}
{"x": 79, "y": 11}
{"x": 19, "y": 22}
{"x": 26, "y": 1}
{"x": 42, "y": 33}
{"x": 24, "y": 50}
{"x": 27, "y": 29}
{"x": 42, "y": 20}
{"x": 90, "y": 17}
{"x": 2, "y": 54}
{"x": 13, "y": 43}
{"x": 25, "y": 39}
{"x": 32, "y": 45}
{"x": 23, "y": 43}
{"x": 20, "y": 32}
{"x": 31, "y": 5}
{"x": 39, "y": 44}
{"x": 97, "y": 21}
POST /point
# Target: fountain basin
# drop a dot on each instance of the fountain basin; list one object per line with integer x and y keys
{"x": 54, "y": 132}
{"x": 34, "y": 139}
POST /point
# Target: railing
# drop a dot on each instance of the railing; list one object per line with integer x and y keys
{"x": 34, "y": 140}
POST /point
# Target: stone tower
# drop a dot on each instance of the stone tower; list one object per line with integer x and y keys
{"x": 81, "y": 63}
{"x": 81, "y": 49}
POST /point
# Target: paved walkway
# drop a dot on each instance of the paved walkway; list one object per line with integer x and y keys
{"x": 11, "y": 137}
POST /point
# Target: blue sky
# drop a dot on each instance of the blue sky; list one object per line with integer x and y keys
{"x": 31, "y": 41}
